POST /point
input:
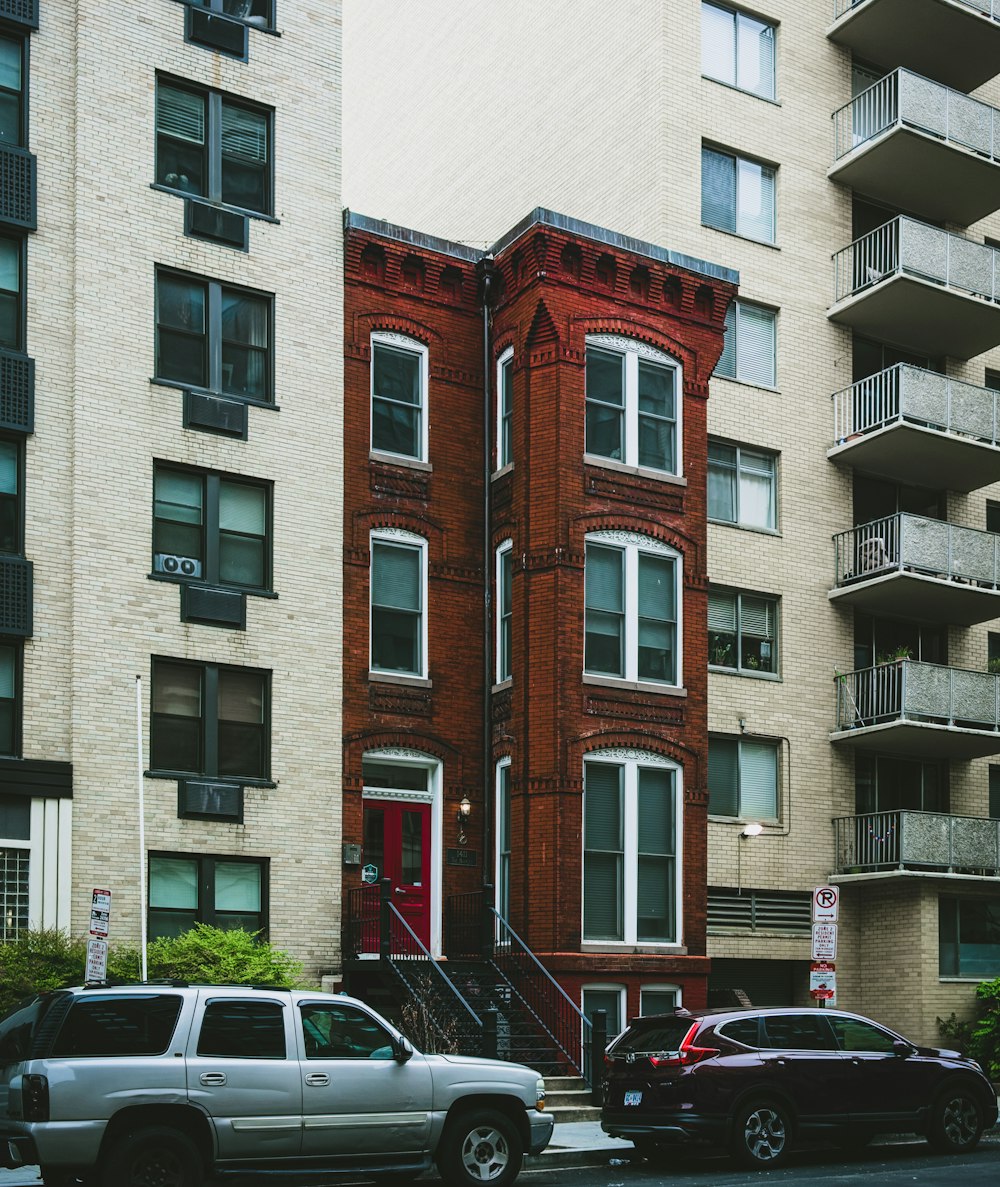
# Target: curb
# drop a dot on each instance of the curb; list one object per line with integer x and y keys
{"x": 567, "y": 1156}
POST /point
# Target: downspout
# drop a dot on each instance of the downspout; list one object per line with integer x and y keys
{"x": 486, "y": 272}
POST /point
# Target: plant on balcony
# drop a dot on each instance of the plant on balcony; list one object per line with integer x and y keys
{"x": 993, "y": 665}
{"x": 894, "y": 656}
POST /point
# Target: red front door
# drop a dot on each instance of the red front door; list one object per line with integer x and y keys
{"x": 398, "y": 845}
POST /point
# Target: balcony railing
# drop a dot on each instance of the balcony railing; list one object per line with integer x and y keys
{"x": 917, "y": 840}
{"x": 990, "y": 8}
{"x": 909, "y": 690}
{"x": 903, "y": 97}
{"x": 917, "y": 544}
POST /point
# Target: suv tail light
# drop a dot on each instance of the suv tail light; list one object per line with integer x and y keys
{"x": 35, "y": 1098}
{"x": 687, "y": 1054}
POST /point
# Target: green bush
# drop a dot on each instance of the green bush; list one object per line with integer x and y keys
{"x": 51, "y": 959}
{"x": 979, "y": 1037}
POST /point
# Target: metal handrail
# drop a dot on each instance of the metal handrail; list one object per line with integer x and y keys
{"x": 423, "y": 953}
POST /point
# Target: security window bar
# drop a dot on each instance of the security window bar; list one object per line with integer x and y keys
{"x": 208, "y": 719}
{"x": 743, "y": 778}
{"x": 215, "y": 147}
{"x": 259, "y": 13}
{"x": 737, "y": 195}
{"x": 397, "y": 608}
{"x": 12, "y": 107}
{"x": 14, "y": 919}
{"x": 742, "y": 632}
{"x": 398, "y": 400}
{"x": 631, "y": 407}
{"x": 737, "y": 49}
{"x": 741, "y": 486}
{"x": 211, "y": 527}
{"x": 505, "y": 411}
{"x": 213, "y": 337}
{"x": 505, "y": 618}
{"x": 223, "y": 892}
{"x": 749, "y": 350}
{"x": 11, "y": 293}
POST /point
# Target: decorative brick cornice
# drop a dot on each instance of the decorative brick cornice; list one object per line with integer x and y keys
{"x": 397, "y": 699}
{"x": 629, "y": 488}
{"x": 649, "y": 711}
{"x": 398, "y": 482}
{"x": 390, "y": 322}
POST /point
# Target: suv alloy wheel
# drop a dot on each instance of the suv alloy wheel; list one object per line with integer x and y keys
{"x": 761, "y": 1133}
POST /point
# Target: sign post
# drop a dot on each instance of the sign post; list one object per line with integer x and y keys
{"x": 823, "y": 971}
{"x": 100, "y": 927}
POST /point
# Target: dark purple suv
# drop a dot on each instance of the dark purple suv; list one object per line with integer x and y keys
{"x": 756, "y": 1081}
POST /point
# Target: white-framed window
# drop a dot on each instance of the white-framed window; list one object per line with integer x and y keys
{"x": 15, "y": 862}
{"x": 659, "y": 999}
{"x": 631, "y": 848}
{"x": 399, "y": 372}
{"x": 610, "y": 999}
{"x": 737, "y": 49}
{"x": 742, "y": 486}
{"x": 742, "y": 632}
{"x": 743, "y": 778}
{"x": 504, "y": 611}
{"x": 750, "y": 348}
{"x": 737, "y": 194}
{"x": 634, "y": 399}
{"x": 503, "y": 838}
{"x": 632, "y": 617}
{"x": 398, "y": 603}
{"x": 505, "y": 408}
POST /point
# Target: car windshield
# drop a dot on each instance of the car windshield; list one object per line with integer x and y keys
{"x": 656, "y": 1034}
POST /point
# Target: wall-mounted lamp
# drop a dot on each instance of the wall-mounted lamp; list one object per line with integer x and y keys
{"x": 752, "y": 829}
{"x": 462, "y": 817}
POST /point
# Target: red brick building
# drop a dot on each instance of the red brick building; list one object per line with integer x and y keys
{"x": 549, "y": 670}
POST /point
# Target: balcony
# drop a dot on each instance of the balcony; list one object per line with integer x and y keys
{"x": 913, "y": 708}
{"x": 925, "y": 841}
{"x": 918, "y": 567}
{"x": 919, "y": 427}
{"x": 920, "y": 288}
{"x": 917, "y": 145}
{"x": 956, "y": 41}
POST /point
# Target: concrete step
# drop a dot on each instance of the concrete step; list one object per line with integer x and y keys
{"x": 562, "y": 1114}
{"x": 566, "y": 1099}
{"x": 566, "y": 1083}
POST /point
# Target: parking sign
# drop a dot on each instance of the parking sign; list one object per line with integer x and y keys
{"x": 825, "y": 904}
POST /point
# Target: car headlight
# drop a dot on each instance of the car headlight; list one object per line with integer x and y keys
{"x": 540, "y": 1094}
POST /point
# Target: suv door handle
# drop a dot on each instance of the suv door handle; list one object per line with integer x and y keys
{"x": 212, "y": 1079}
{"x": 317, "y": 1079}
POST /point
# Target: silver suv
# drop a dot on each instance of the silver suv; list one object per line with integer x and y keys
{"x": 165, "y": 1084}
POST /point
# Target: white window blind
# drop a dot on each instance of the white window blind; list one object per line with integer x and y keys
{"x": 244, "y": 133}
{"x": 758, "y": 780}
{"x": 180, "y": 113}
{"x": 749, "y": 351}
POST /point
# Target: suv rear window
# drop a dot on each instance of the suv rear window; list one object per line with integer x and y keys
{"x": 136, "y": 1024}
{"x": 743, "y": 1030}
{"x": 18, "y": 1027}
{"x": 660, "y": 1034}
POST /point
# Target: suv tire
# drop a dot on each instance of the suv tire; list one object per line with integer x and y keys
{"x": 762, "y": 1133}
{"x": 956, "y": 1120}
{"x": 153, "y": 1157}
{"x": 480, "y": 1146}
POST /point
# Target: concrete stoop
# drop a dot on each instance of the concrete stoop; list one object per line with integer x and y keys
{"x": 568, "y": 1099}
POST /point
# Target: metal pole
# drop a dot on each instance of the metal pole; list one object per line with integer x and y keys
{"x": 143, "y": 918}
{"x": 598, "y": 1041}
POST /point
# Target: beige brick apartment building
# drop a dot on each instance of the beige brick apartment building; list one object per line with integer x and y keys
{"x": 172, "y": 465}
{"x": 843, "y": 157}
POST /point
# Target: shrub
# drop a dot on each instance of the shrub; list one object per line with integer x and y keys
{"x": 48, "y": 959}
{"x": 979, "y": 1037}
{"x": 226, "y": 957}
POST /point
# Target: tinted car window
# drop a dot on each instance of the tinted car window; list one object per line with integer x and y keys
{"x": 661, "y": 1034}
{"x": 343, "y": 1032}
{"x": 855, "y": 1035}
{"x": 243, "y": 1030}
{"x": 743, "y": 1030}
{"x": 17, "y": 1028}
{"x": 799, "y": 1032}
{"x": 139, "y": 1024}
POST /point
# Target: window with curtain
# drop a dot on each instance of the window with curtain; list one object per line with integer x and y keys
{"x": 737, "y": 195}
{"x": 969, "y": 937}
{"x": 212, "y": 336}
{"x": 398, "y": 596}
{"x": 11, "y": 303}
{"x": 743, "y": 778}
{"x": 630, "y": 859}
{"x": 505, "y": 409}
{"x": 211, "y": 527}
{"x": 10, "y": 698}
{"x": 224, "y": 892}
{"x": 209, "y": 719}
{"x": 213, "y": 146}
{"x": 631, "y": 592}
{"x": 749, "y": 354}
{"x": 12, "y": 130}
{"x": 742, "y": 632}
{"x": 633, "y": 401}
{"x": 737, "y": 49}
{"x": 11, "y": 510}
{"x": 742, "y": 486}
{"x": 399, "y": 400}
{"x": 504, "y": 604}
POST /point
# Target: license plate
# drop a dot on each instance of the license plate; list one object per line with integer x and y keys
{"x": 633, "y": 1098}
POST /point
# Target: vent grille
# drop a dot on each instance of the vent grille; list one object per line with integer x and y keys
{"x": 24, "y": 12}
{"x": 214, "y": 607}
{"x": 18, "y": 174}
{"x": 17, "y": 392}
{"x": 217, "y": 801}
{"x": 15, "y": 596}
{"x": 216, "y": 32}
{"x": 759, "y": 910}
{"x": 202, "y": 221}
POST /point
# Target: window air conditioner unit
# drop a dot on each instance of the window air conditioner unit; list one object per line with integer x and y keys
{"x": 216, "y": 31}
{"x": 177, "y": 566}
{"x": 220, "y": 801}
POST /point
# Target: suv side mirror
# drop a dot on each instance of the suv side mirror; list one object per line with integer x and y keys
{"x": 402, "y": 1049}
{"x": 901, "y": 1048}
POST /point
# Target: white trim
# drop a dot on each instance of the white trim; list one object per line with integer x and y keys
{"x": 634, "y": 350}
{"x": 632, "y": 544}
{"x": 502, "y": 764}
{"x": 654, "y": 987}
{"x": 411, "y": 345}
{"x": 405, "y": 757}
{"x": 631, "y": 761}
{"x": 506, "y": 357}
{"x": 502, "y": 550}
{"x": 607, "y": 987}
{"x": 402, "y": 538}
